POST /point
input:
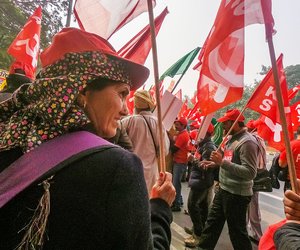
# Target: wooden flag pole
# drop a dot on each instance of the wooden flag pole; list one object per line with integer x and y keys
{"x": 162, "y": 162}
{"x": 68, "y": 22}
{"x": 177, "y": 83}
{"x": 289, "y": 156}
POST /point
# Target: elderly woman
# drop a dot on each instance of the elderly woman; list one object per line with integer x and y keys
{"x": 95, "y": 198}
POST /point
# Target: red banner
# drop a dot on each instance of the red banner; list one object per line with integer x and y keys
{"x": 25, "y": 47}
{"x": 264, "y": 100}
{"x": 222, "y": 70}
{"x": 138, "y": 48}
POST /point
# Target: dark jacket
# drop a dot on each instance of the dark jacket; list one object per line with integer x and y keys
{"x": 202, "y": 179}
{"x": 98, "y": 202}
{"x": 287, "y": 237}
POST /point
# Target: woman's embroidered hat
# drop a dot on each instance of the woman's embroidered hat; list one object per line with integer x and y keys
{"x": 117, "y": 68}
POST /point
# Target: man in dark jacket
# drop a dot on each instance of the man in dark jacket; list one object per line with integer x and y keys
{"x": 200, "y": 182}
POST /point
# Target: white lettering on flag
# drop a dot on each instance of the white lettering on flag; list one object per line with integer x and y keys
{"x": 275, "y": 128}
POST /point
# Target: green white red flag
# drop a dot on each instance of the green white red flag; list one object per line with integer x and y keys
{"x": 181, "y": 66}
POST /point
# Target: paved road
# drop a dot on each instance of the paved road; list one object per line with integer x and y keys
{"x": 271, "y": 211}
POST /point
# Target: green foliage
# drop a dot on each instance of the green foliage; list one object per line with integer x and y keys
{"x": 15, "y": 13}
{"x": 293, "y": 78}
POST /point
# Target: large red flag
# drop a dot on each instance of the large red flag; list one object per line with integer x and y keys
{"x": 222, "y": 70}
{"x": 264, "y": 100}
{"x": 25, "y": 47}
{"x": 138, "y": 48}
{"x": 105, "y": 17}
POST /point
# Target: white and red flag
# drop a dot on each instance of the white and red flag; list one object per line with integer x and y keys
{"x": 271, "y": 132}
{"x": 264, "y": 100}
{"x": 221, "y": 78}
{"x": 138, "y": 48}
{"x": 105, "y": 17}
{"x": 25, "y": 47}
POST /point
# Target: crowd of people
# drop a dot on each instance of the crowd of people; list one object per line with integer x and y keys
{"x": 78, "y": 172}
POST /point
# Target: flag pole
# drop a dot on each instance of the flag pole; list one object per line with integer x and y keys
{"x": 162, "y": 162}
{"x": 289, "y": 156}
{"x": 178, "y": 82}
{"x": 68, "y": 22}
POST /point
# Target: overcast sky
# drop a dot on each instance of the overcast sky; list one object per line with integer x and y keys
{"x": 187, "y": 26}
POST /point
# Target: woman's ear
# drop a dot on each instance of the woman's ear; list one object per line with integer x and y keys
{"x": 81, "y": 100}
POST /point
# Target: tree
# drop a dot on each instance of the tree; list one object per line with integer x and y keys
{"x": 14, "y": 14}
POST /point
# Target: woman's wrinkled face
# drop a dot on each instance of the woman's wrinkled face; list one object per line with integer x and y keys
{"x": 106, "y": 107}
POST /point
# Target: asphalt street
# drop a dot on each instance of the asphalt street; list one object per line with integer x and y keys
{"x": 271, "y": 208}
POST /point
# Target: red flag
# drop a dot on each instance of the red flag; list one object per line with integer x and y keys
{"x": 197, "y": 116}
{"x": 194, "y": 111}
{"x": 200, "y": 56}
{"x": 138, "y": 48}
{"x": 25, "y": 47}
{"x": 293, "y": 92}
{"x": 222, "y": 70}
{"x": 105, "y": 17}
{"x": 184, "y": 110}
{"x": 295, "y": 115}
{"x": 271, "y": 132}
{"x": 264, "y": 100}
{"x": 194, "y": 99}
{"x": 130, "y": 102}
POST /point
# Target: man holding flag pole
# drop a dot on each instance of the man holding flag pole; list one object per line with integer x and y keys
{"x": 238, "y": 166}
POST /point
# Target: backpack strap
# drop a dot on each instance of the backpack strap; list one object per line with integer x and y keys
{"x": 155, "y": 146}
{"x": 47, "y": 159}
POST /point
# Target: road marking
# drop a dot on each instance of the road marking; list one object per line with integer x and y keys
{"x": 179, "y": 230}
{"x": 271, "y": 196}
